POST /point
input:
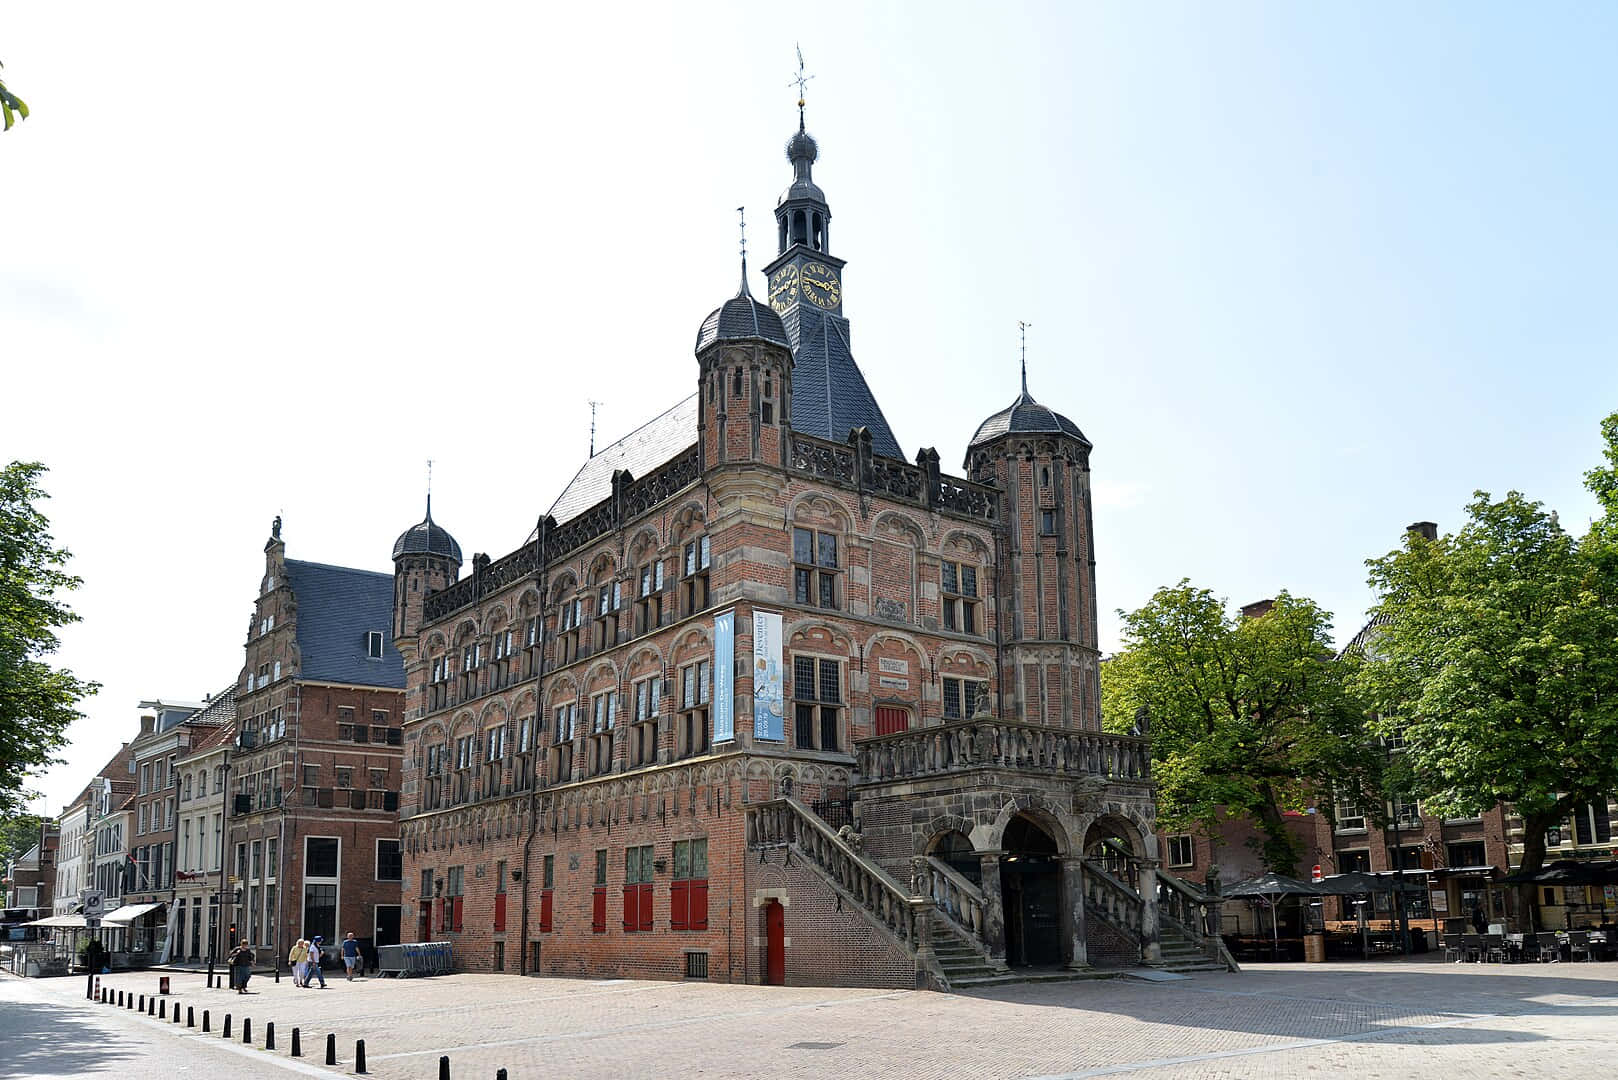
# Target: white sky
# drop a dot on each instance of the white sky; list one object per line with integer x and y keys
{"x": 1302, "y": 279}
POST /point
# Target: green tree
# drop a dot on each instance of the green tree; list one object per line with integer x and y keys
{"x": 37, "y": 701}
{"x": 1252, "y": 717}
{"x": 17, "y": 835}
{"x": 11, "y": 106}
{"x": 1497, "y": 660}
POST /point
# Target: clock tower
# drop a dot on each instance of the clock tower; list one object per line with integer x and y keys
{"x": 805, "y": 283}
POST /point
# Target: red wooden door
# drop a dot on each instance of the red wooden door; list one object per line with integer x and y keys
{"x": 890, "y": 721}
{"x": 775, "y": 944}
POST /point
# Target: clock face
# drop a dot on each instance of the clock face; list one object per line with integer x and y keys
{"x": 820, "y": 285}
{"x": 783, "y": 286}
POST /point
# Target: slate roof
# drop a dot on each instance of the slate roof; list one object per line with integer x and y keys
{"x": 829, "y": 394}
{"x": 337, "y": 605}
{"x": 427, "y": 537}
{"x": 1358, "y": 643}
{"x": 741, "y": 317}
{"x": 1027, "y": 416}
{"x": 656, "y": 442}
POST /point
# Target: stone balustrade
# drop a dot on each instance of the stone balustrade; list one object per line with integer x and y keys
{"x": 984, "y": 742}
{"x": 957, "y": 898}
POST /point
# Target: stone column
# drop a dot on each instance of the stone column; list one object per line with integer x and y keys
{"x": 1073, "y": 913}
{"x": 1151, "y": 949}
{"x": 994, "y": 914}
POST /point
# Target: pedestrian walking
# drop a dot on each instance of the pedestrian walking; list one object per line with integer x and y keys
{"x": 351, "y": 955}
{"x": 299, "y": 959}
{"x": 315, "y": 953}
{"x": 241, "y": 967}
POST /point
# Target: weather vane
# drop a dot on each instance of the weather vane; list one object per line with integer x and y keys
{"x": 741, "y": 214}
{"x": 593, "y": 406}
{"x": 800, "y": 82}
{"x": 1022, "y": 333}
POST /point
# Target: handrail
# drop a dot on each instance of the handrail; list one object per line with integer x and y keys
{"x": 985, "y": 742}
{"x": 956, "y": 898}
{"x": 1113, "y": 900}
{"x": 786, "y": 822}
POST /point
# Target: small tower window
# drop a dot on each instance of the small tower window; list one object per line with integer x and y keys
{"x": 1044, "y": 476}
{"x": 373, "y": 644}
{"x": 1047, "y": 523}
{"x": 819, "y": 240}
{"x": 800, "y": 227}
{"x": 767, "y": 406}
{"x": 736, "y": 384}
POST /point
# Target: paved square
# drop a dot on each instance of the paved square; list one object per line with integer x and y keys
{"x": 1387, "y": 1019}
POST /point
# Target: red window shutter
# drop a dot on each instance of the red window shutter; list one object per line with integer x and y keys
{"x": 629, "y": 908}
{"x": 699, "y": 904}
{"x": 598, "y": 912}
{"x": 499, "y": 912}
{"x": 545, "y": 911}
{"x": 891, "y": 721}
{"x": 680, "y": 905}
{"x": 460, "y": 909}
{"x": 645, "y": 906}
{"x": 443, "y": 914}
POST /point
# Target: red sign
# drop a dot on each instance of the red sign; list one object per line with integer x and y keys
{"x": 1314, "y": 874}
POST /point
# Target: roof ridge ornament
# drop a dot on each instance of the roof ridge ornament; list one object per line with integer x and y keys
{"x": 1022, "y": 333}
{"x": 800, "y": 81}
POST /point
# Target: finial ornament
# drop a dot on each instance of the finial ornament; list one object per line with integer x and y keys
{"x": 1022, "y": 333}
{"x": 429, "y": 489}
{"x": 741, "y": 215}
{"x": 800, "y": 82}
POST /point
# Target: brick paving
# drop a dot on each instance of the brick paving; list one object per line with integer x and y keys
{"x": 1394, "y": 1018}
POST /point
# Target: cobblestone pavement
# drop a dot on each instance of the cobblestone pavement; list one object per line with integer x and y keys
{"x": 1383, "y": 1019}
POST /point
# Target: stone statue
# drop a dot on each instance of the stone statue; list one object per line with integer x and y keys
{"x": 848, "y": 835}
{"x": 275, "y": 528}
{"x": 1143, "y": 723}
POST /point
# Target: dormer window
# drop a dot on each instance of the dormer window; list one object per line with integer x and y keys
{"x": 373, "y": 644}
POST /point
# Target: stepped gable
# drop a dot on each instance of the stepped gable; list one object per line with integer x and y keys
{"x": 337, "y": 607}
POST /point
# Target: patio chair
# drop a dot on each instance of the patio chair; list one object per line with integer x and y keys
{"x": 1453, "y": 952}
{"x": 1578, "y": 944}
{"x": 1494, "y": 948}
{"x": 1550, "y": 950}
{"x": 1472, "y": 948}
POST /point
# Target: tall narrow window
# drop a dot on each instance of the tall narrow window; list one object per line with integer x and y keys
{"x": 814, "y": 568}
{"x": 696, "y": 685}
{"x": 816, "y": 702}
{"x": 688, "y": 892}
{"x": 649, "y": 598}
{"x": 959, "y": 583}
{"x": 598, "y": 899}
{"x": 694, "y": 578}
{"x": 638, "y": 888}
{"x": 644, "y": 735}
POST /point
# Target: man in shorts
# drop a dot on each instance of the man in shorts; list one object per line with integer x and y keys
{"x": 351, "y": 954}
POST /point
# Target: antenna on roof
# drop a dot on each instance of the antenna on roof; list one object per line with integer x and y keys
{"x": 429, "y": 489}
{"x": 593, "y": 406}
{"x": 741, "y": 214}
{"x": 1022, "y": 333}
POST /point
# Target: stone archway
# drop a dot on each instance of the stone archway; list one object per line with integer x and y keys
{"x": 1031, "y": 890}
{"x": 1114, "y": 844}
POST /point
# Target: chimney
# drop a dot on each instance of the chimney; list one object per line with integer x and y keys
{"x": 147, "y": 723}
{"x": 1427, "y": 530}
{"x": 1257, "y": 609}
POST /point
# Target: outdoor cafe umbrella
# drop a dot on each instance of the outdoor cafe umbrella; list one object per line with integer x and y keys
{"x": 1272, "y": 887}
{"x": 1567, "y": 872}
{"x": 1354, "y": 882}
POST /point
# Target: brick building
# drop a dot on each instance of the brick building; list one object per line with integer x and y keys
{"x": 199, "y": 839}
{"x": 75, "y": 861}
{"x": 761, "y": 700}
{"x": 314, "y": 772}
{"x": 150, "y": 883}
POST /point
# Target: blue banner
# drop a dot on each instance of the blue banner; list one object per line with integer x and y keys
{"x": 769, "y": 703}
{"x": 724, "y": 672}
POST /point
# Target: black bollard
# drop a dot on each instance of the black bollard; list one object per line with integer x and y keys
{"x": 90, "y": 985}
{"x": 499, "y": 1074}
{"x": 151, "y": 1006}
{"x": 331, "y": 1049}
{"x": 443, "y": 1067}
{"x": 162, "y": 1009}
{"x": 176, "y": 1013}
{"x": 297, "y": 1048}
{"x": 359, "y": 1055}
{"x": 226, "y": 1034}
{"x": 190, "y": 1016}
{"x": 247, "y": 1030}
{"x": 204, "y": 1019}
{"x": 142, "y": 1006}
{"x": 269, "y": 1035}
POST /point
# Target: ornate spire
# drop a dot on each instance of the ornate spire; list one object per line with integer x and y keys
{"x": 741, "y": 212}
{"x": 1022, "y": 333}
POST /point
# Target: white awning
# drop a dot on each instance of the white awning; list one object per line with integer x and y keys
{"x": 59, "y": 921}
{"x": 127, "y": 914}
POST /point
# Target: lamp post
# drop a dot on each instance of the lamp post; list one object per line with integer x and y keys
{"x": 1399, "y": 867}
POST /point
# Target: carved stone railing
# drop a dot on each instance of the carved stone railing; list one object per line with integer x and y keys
{"x": 630, "y": 499}
{"x": 787, "y": 823}
{"x": 1117, "y": 903}
{"x": 957, "y": 899}
{"x": 854, "y": 465}
{"x": 987, "y": 743}
{"x": 1194, "y": 914}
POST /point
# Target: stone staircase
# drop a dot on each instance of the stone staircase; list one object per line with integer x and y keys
{"x": 1181, "y": 954}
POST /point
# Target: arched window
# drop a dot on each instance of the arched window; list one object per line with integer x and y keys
{"x": 817, "y": 702}
{"x": 816, "y": 567}
{"x": 962, "y": 604}
{"x": 694, "y": 576}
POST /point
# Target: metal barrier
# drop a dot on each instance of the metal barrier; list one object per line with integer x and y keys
{"x": 424, "y": 958}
